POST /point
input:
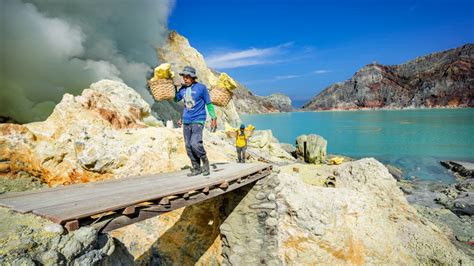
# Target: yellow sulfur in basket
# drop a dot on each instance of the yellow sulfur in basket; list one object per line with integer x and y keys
{"x": 231, "y": 132}
{"x": 161, "y": 86}
{"x": 163, "y": 71}
{"x": 226, "y": 82}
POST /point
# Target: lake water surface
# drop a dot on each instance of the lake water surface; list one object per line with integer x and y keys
{"x": 415, "y": 140}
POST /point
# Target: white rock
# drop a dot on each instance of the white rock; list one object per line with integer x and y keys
{"x": 54, "y": 228}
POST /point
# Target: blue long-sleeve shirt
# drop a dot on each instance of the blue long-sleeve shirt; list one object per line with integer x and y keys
{"x": 195, "y": 100}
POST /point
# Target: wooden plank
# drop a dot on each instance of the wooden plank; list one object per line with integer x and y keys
{"x": 224, "y": 185}
{"x": 83, "y": 189}
{"x": 120, "y": 221}
{"x": 29, "y": 203}
{"x": 100, "y": 215}
{"x": 72, "y": 225}
{"x": 164, "y": 201}
{"x": 38, "y": 200}
{"x": 107, "y": 183}
{"x": 101, "y": 182}
{"x": 129, "y": 179}
{"x": 129, "y": 210}
{"x": 86, "y": 207}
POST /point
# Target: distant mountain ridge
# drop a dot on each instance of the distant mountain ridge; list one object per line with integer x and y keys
{"x": 443, "y": 79}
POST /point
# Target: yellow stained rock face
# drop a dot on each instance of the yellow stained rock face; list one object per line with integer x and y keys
{"x": 12, "y": 232}
{"x": 311, "y": 174}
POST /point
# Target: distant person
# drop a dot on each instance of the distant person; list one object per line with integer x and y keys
{"x": 241, "y": 143}
{"x": 196, "y": 99}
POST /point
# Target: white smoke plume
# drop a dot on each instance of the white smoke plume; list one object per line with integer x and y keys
{"x": 50, "y": 47}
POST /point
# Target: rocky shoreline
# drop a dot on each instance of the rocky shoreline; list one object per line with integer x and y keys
{"x": 380, "y": 108}
{"x": 448, "y": 206}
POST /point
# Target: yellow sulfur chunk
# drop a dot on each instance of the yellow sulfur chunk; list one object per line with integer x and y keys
{"x": 163, "y": 71}
{"x": 226, "y": 82}
{"x": 336, "y": 160}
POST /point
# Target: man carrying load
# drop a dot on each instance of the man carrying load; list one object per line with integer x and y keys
{"x": 196, "y": 99}
{"x": 241, "y": 138}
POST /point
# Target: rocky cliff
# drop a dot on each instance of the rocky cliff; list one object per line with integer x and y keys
{"x": 444, "y": 79}
{"x": 179, "y": 53}
{"x": 248, "y": 103}
{"x": 353, "y": 213}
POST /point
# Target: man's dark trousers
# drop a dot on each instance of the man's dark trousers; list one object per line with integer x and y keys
{"x": 193, "y": 140}
{"x": 241, "y": 154}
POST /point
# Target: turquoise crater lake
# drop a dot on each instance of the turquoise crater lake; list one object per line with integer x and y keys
{"x": 414, "y": 140}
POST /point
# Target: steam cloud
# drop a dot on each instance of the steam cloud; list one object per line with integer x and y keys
{"x": 48, "y": 48}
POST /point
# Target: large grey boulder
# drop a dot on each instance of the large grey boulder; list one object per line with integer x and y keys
{"x": 289, "y": 148}
{"x": 464, "y": 203}
{"x": 315, "y": 148}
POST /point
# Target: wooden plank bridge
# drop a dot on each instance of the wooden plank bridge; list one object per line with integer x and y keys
{"x": 120, "y": 202}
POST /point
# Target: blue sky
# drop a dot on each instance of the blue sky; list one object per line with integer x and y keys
{"x": 300, "y": 47}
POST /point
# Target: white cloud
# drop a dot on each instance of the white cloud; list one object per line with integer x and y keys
{"x": 276, "y": 78}
{"x": 321, "y": 71}
{"x": 248, "y": 57}
{"x": 287, "y": 77}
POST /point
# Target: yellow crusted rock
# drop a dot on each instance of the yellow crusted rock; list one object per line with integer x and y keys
{"x": 336, "y": 160}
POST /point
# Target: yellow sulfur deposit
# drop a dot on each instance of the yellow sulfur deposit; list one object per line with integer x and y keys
{"x": 226, "y": 82}
{"x": 336, "y": 160}
{"x": 163, "y": 71}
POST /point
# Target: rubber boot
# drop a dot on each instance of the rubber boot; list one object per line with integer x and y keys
{"x": 196, "y": 170}
{"x": 205, "y": 165}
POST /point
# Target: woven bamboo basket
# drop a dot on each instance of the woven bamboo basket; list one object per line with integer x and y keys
{"x": 220, "y": 97}
{"x": 162, "y": 89}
